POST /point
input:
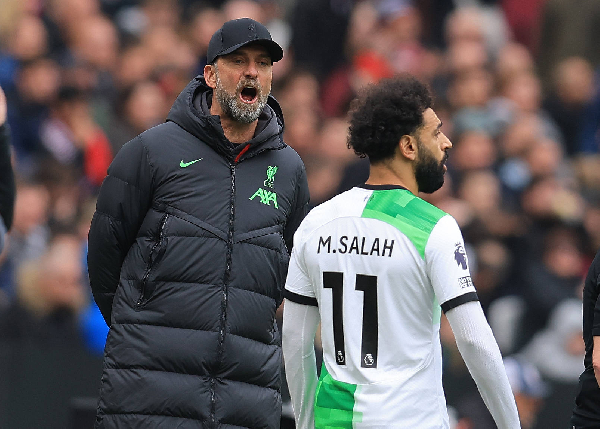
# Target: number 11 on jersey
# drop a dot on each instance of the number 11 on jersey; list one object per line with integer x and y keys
{"x": 369, "y": 342}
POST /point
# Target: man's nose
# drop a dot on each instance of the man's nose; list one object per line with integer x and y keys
{"x": 448, "y": 143}
{"x": 251, "y": 70}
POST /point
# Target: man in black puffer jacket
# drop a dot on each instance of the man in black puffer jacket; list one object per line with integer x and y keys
{"x": 188, "y": 250}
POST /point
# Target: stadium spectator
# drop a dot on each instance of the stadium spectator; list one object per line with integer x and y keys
{"x": 571, "y": 95}
{"x": 566, "y": 32}
{"x": 72, "y": 138}
{"x": 29, "y": 234}
{"x": 50, "y": 296}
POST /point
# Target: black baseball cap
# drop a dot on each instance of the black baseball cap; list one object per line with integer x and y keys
{"x": 240, "y": 32}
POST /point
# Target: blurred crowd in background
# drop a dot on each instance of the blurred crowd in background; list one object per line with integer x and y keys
{"x": 516, "y": 85}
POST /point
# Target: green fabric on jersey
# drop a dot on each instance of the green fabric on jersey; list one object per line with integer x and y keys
{"x": 334, "y": 403}
{"x": 400, "y": 208}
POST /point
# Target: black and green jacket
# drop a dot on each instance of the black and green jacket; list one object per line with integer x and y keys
{"x": 187, "y": 262}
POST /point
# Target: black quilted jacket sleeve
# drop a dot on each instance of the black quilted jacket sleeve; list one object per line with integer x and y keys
{"x": 124, "y": 199}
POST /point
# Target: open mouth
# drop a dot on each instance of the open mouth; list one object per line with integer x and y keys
{"x": 248, "y": 94}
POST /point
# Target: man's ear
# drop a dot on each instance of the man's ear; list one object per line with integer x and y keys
{"x": 408, "y": 147}
{"x": 210, "y": 75}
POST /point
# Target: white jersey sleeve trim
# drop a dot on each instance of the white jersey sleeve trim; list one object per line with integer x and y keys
{"x": 459, "y": 300}
{"x": 300, "y": 299}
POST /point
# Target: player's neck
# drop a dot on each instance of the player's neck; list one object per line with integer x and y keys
{"x": 393, "y": 173}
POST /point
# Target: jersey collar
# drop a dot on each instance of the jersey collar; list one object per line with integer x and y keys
{"x": 380, "y": 187}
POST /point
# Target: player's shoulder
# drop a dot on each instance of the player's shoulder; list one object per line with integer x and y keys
{"x": 431, "y": 217}
{"x": 425, "y": 209}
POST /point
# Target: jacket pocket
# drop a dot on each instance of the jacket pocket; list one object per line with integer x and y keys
{"x": 156, "y": 254}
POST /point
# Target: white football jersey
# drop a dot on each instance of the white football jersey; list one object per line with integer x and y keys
{"x": 381, "y": 264}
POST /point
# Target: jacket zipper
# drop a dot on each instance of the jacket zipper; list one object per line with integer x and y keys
{"x": 156, "y": 245}
{"x": 224, "y": 291}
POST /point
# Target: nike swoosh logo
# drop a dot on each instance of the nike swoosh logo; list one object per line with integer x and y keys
{"x": 187, "y": 164}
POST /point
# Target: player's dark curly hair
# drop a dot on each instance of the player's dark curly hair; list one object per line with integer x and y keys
{"x": 385, "y": 112}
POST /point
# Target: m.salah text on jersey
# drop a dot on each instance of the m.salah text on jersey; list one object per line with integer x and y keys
{"x": 357, "y": 245}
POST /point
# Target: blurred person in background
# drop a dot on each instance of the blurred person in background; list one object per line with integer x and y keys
{"x": 591, "y": 219}
{"x": 37, "y": 86}
{"x": 64, "y": 19}
{"x": 550, "y": 278}
{"x": 134, "y": 64}
{"x": 27, "y": 40}
{"x": 513, "y": 58}
{"x": 590, "y": 132}
{"x": 570, "y": 97}
{"x": 298, "y": 90}
{"x": 205, "y": 20}
{"x": 493, "y": 264}
{"x": 50, "y": 296}
{"x": 161, "y": 13}
{"x": 302, "y": 131}
{"x": 477, "y": 22}
{"x": 399, "y": 25}
{"x": 326, "y": 166}
{"x": 29, "y": 234}
{"x": 524, "y": 20}
{"x": 142, "y": 106}
{"x": 530, "y": 156}
{"x": 188, "y": 249}
{"x": 71, "y": 137}
{"x": 482, "y": 191}
{"x": 233, "y": 9}
{"x": 382, "y": 38}
{"x": 567, "y": 31}
{"x": 558, "y": 349}
{"x": 523, "y": 92}
{"x": 66, "y": 190}
{"x": 319, "y": 31}
{"x": 474, "y": 150}
{"x": 167, "y": 50}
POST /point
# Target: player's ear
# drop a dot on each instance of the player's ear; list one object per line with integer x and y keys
{"x": 210, "y": 75}
{"x": 408, "y": 147}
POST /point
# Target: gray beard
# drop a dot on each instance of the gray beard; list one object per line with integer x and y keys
{"x": 237, "y": 110}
